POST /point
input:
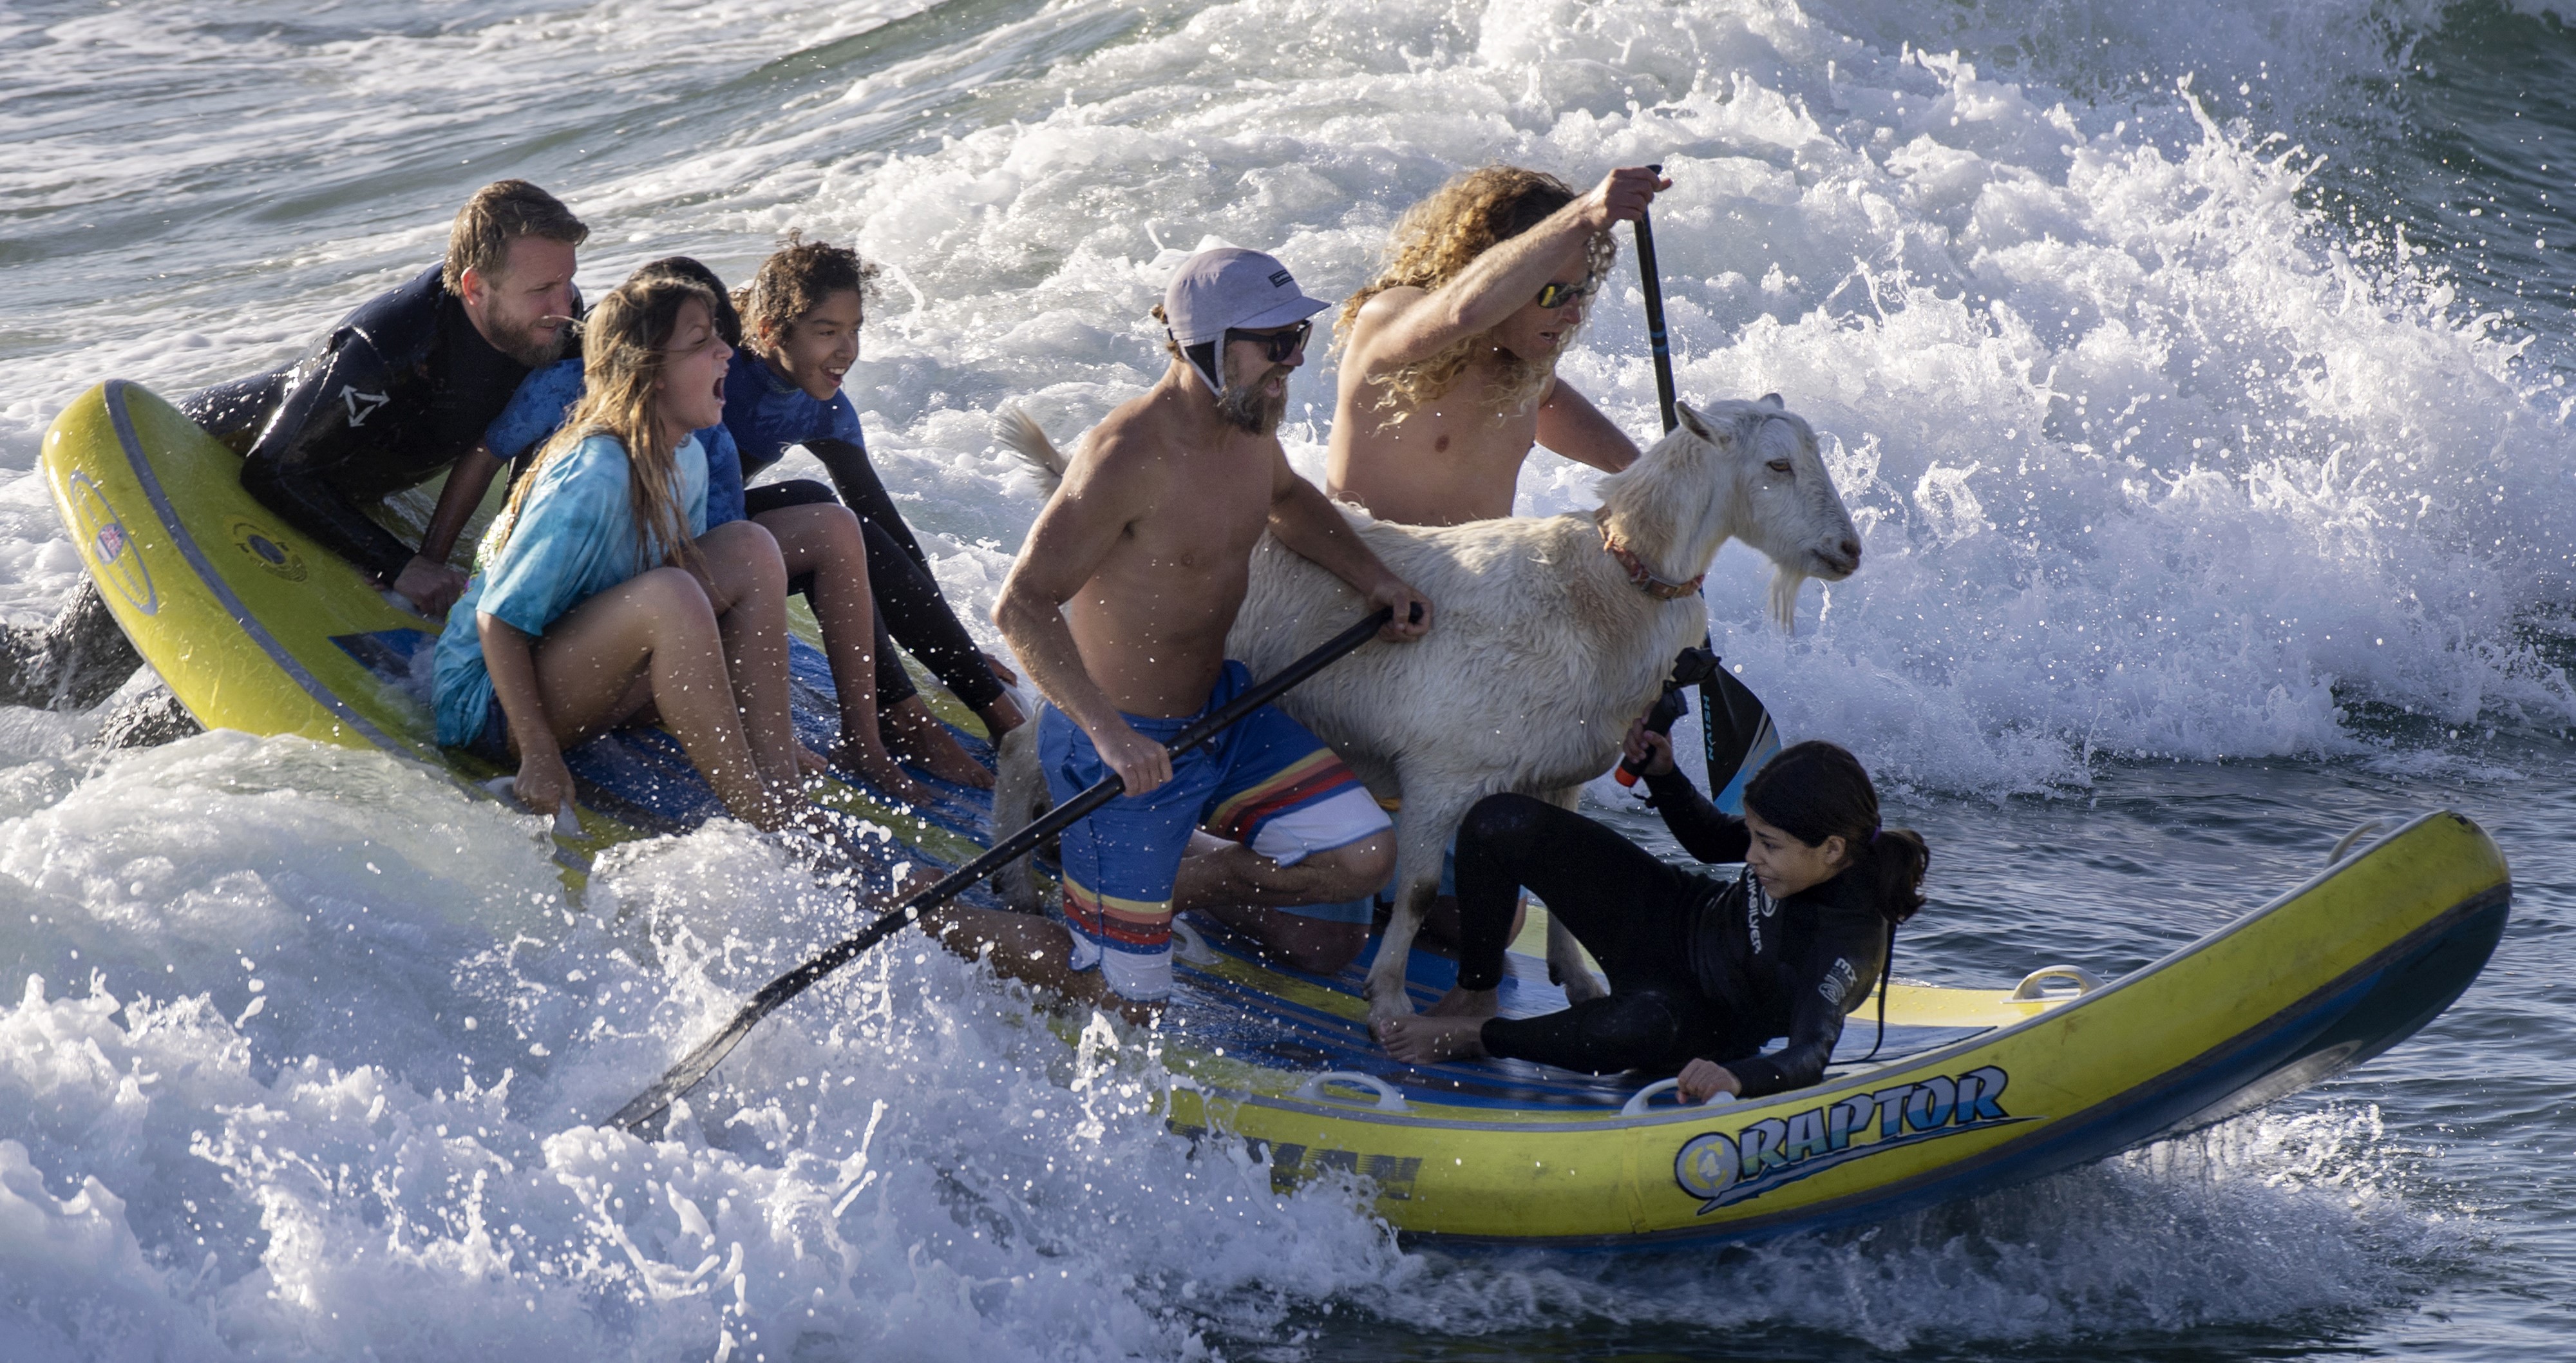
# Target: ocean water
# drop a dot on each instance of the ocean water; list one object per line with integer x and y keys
{"x": 2197, "y": 374}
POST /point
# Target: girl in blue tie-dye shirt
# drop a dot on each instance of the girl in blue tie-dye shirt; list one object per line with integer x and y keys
{"x": 602, "y": 598}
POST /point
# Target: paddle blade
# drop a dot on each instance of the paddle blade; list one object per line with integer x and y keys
{"x": 686, "y": 1075}
{"x": 1739, "y": 738}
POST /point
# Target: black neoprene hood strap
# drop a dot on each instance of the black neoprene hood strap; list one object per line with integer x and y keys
{"x": 1202, "y": 358}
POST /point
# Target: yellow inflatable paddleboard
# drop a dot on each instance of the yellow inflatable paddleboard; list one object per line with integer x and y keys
{"x": 1973, "y": 1089}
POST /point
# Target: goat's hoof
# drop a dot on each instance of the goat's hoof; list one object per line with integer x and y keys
{"x": 1581, "y": 984}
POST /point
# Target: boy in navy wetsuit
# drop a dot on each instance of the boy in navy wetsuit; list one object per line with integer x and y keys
{"x": 801, "y": 316}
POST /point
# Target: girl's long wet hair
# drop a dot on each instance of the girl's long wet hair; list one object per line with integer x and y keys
{"x": 1817, "y": 790}
{"x": 625, "y": 344}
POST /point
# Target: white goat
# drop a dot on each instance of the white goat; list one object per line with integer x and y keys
{"x": 1544, "y": 644}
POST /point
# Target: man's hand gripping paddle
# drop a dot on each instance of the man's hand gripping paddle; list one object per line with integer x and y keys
{"x": 698, "y": 1064}
{"x": 1739, "y": 734}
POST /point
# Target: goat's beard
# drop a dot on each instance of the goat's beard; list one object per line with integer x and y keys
{"x": 1247, "y": 406}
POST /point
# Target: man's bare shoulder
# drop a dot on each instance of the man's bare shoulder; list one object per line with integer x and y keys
{"x": 1381, "y": 311}
{"x": 1127, "y": 447}
{"x": 1391, "y": 301}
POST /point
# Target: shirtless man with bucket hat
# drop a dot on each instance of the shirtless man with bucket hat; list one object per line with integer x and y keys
{"x": 1119, "y": 607}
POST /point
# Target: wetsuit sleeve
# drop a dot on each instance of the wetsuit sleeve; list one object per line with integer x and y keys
{"x": 724, "y": 476}
{"x": 1703, "y": 830}
{"x": 536, "y": 410}
{"x": 1842, "y": 968}
{"x": 693, "y": 509}
{"x": 326, "y": 401}
{"x": 845, "y": 456}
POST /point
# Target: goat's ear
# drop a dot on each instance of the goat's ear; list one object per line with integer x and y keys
{"x": 1772, "y": 401}
{"x": 1696, "y": 424}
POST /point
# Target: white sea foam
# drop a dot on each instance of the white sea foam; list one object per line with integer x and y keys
{"x": 304, "y": 1081}
{"x": 2148, "y": 459}
{"x": 317, "y": 1084}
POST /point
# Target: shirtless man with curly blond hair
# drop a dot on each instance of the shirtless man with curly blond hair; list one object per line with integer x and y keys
{"x": 1449, "y": 356}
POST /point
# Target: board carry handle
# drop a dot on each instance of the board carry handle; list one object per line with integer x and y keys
{"x": 2035, "y": 984}
{"x": 1645, "y": 1097}
{"x": 1388, "y": 1098}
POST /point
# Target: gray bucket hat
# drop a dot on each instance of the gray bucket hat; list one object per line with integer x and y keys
{"x": 1217, "y": 291}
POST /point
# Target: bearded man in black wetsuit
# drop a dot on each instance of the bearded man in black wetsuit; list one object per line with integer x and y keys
{"x": 399, "y": 390}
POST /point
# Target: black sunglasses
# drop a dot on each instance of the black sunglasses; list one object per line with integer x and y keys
{"x": 1278, "y": 345}
{"x": 1558, "y": 295}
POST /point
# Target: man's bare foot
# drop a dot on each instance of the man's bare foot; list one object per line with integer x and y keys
{"x": 1479, "y": 1004}
{"x": 878, "y": 766}
{"x": 811, "y": 762}
{"x": 916, "y": 735}
{"x": 1424, "y": 1040}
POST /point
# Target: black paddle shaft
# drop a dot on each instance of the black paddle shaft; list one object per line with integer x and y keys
{"x": 1655, "y": 338}
{"x": 698, "y": 1064}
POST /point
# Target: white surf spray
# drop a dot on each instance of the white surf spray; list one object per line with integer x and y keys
{"x": 2149, "y": 460}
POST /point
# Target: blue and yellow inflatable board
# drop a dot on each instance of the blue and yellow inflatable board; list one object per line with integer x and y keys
{"x": 1973, "y": 1089}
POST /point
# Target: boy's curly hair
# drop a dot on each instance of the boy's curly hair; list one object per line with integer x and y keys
{"x": 1474, "y": 212}
{"x": 796, "y": 279}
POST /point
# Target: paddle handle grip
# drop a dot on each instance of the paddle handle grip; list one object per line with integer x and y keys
{"x": 1669, "y": 707}
{"x": 1656, "y": 340}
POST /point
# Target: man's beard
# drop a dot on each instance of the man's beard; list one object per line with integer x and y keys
{"x": 527, "y": 345}
{"x": 1247, "y": 407}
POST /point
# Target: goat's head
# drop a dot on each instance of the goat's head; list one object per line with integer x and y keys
{"x": 1745, "y": 470}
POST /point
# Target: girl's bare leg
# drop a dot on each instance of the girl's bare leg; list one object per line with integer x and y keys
{"x": 747, "y": 585}
{"x": 823, "y": 539}
{"x": 657, "y": 627}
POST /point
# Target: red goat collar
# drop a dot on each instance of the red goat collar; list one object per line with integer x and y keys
{"x": 1639, "y": 574}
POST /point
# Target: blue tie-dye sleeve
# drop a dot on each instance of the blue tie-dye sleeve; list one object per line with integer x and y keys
{"x": 544, "y": 397}
{"x": 724, "y": 477}
{"x": 572, "y": 521}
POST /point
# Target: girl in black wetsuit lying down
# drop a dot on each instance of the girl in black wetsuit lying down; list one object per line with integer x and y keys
{"x": 1703, "y": 970}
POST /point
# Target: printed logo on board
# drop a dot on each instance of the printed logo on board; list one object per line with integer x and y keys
{"x": 1721, "y": 1169}
{"x": 268, "y": 551}
{"x": 1292, "y": 1164}
{"x": 111, "y": 551}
